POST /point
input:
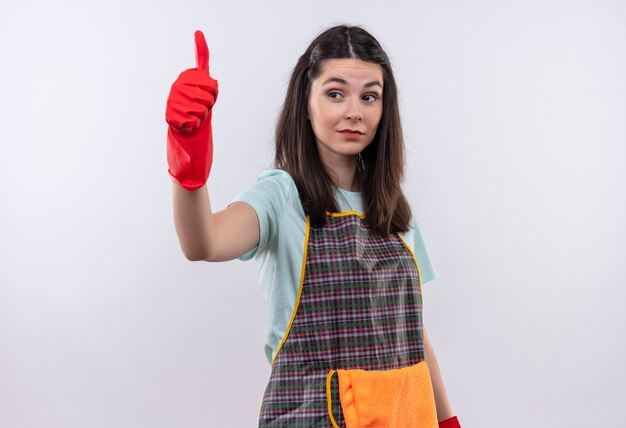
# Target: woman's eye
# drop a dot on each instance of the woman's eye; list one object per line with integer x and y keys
{"x": 370, "y": 97}
{"x": 335, "y": 95}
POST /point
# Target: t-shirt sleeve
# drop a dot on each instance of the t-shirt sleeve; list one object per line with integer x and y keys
{"x": 268, "y": 196}
{"x": 427, "y": 273}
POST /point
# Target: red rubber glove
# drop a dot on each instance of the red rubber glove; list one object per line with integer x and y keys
{"x": 453, "y": 422}
{"x": 188, "y": 114}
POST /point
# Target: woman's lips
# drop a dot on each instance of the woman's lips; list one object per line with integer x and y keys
{"x": 351, "y": 134}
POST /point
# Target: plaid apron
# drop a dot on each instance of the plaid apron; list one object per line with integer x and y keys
{"x": 359, "y": 307}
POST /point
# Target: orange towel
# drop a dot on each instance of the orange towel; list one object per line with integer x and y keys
{"x": 401, "y": 398}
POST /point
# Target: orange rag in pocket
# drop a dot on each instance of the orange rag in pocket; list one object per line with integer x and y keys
{"x": 400, "y": 398}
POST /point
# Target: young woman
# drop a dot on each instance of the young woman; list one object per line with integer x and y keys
{"x": 341, "y": 259}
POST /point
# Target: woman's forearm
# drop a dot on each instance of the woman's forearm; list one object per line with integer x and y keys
{"x": 444, "y": 411}
{"x": 216, "y": 237}
{"x": 194, "y": 221}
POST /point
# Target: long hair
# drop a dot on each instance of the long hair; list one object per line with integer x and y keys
{"x": 386, "y": 208}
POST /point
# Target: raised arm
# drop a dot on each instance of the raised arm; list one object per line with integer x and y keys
{"x": 203, "y": 235}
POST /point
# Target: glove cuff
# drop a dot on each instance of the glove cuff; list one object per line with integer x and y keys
{"x": 453, "y": 422}
{"x": 190, "y": 157}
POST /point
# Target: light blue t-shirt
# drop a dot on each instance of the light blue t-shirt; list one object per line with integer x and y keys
{"x": 279, "y": 254}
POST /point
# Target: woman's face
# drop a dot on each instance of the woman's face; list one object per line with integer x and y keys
{"x": 346, "y": 96}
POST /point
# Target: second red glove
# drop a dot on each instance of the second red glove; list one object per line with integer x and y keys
{"x": 452, "y": 422}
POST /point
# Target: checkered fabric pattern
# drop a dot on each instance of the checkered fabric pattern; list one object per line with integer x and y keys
{"x": 360, "y": 308}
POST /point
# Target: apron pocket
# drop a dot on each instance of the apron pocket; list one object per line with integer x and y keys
{"x": 399, "y": 398}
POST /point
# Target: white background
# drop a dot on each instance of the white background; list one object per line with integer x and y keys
{"x": 514, "y": 115}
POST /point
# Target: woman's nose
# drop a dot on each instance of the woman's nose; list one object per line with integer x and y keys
{"x": 355, "y": 116}
{"x": 354, "y": 111}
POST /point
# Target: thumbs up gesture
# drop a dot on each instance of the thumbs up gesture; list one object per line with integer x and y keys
{"x": 188, "y": 114}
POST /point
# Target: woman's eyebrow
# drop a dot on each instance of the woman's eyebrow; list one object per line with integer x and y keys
{"x": 344, "y": 82}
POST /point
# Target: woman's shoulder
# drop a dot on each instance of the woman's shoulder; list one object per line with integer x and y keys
{"x": 274, "y": 183}
{"x": 278, "y": 176}
{"x": 273, "y": 188}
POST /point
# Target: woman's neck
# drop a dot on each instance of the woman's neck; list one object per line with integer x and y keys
{"x": 344, "y": 175}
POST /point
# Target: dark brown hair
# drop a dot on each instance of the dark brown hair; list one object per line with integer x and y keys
{"x": 386, "y": 208}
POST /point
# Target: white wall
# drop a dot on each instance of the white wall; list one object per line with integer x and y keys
{"x": 514, "y": 114}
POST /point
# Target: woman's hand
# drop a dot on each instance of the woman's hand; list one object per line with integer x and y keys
{"x": 188, "y": 114}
